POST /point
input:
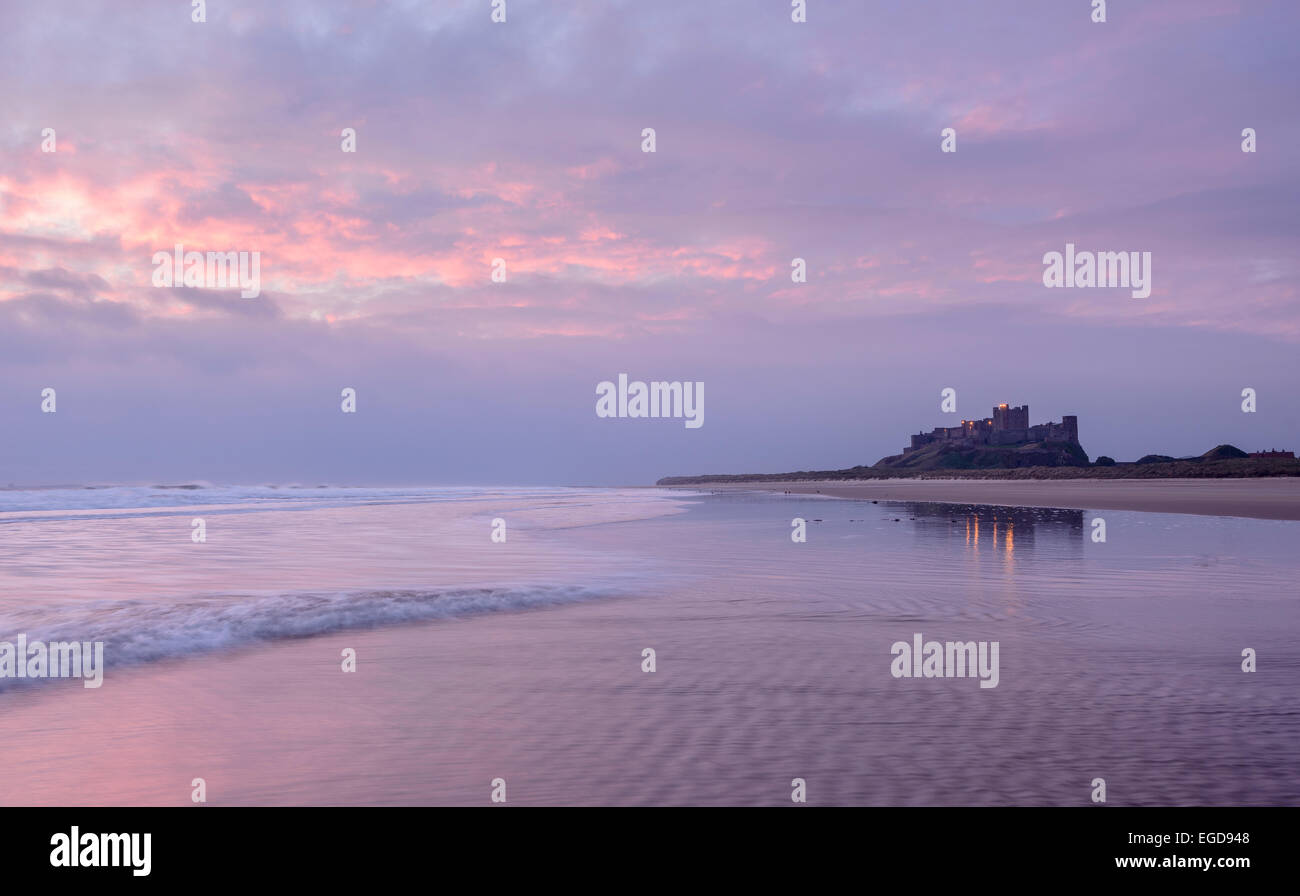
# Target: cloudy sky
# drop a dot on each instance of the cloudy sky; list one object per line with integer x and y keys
{"x": 522, "y": 141}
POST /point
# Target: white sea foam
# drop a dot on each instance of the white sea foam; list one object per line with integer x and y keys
{"x": 141, "y": 631}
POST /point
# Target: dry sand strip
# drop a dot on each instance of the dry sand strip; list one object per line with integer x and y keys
{"x": 1273, "y": 498}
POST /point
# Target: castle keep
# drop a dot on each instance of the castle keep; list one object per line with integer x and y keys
{"x": 1007, "y": 426}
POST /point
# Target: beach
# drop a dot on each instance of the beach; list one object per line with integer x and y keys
{"x": 524, "y": 660}
{"x": 1273, "y": 498}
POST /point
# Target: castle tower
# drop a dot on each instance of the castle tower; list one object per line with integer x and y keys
{"x": 1007, "y": 418}
{"x": 1000, "y": 413}
{"x": 1070, "y": 423}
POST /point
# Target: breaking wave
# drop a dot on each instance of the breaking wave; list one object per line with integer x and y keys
{"x": 138, "y": 631}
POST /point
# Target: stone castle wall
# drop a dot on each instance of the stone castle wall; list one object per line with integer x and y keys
{"x": 1007, "y": 426}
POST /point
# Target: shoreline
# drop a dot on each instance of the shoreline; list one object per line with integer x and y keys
{"x": 1266, "y": 498}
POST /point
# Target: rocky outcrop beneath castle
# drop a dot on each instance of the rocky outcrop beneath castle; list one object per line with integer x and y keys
{"x": 959, "y": 455}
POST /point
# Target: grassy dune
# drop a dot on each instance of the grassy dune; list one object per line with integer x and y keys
{"x": 1236, "y": 468}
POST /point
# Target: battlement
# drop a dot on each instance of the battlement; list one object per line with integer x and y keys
{"x": 1008, "y": 426}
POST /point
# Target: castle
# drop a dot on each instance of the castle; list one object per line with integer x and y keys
{"x": 1007, "y": 426}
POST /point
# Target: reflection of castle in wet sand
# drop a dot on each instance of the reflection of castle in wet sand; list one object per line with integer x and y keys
{"x": 998, "y": 528}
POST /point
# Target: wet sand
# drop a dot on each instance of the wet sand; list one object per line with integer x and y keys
{"x": 773, "y": 662}
{"x": 1274, "y": 498}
